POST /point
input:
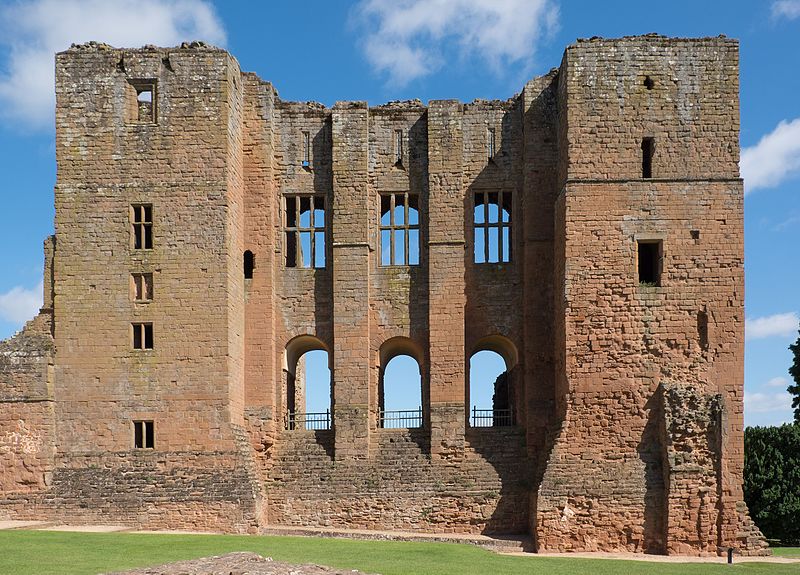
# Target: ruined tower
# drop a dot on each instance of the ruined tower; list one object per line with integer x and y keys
{"x": 209, "y": 234}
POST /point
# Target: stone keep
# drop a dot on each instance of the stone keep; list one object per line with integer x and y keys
{"x": 619, "y": 312}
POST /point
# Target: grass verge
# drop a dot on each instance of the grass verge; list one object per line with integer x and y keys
{"x": 64, "y": 553}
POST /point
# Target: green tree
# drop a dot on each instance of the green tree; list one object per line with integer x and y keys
{"x": 794, "y": 371}
{"x": 772, "y": 480}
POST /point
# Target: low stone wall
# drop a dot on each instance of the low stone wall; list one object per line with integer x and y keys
{"x": 401, "y": 486}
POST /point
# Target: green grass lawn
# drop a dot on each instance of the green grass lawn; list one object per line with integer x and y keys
{"x": 61, "y": 553}
{"x": 786, "y": 551}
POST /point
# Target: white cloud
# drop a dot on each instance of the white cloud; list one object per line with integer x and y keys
{"x": 777, "y": 382}
{"x": 774, "y": 159}
{"x": 19, "y": 304}
{"x": 34, "y": 31}
{"x": 780, "y": 324}
{"x": 766, "y": 402}
{"x": 405, "y": 38}
{"x": 786, "y": 8}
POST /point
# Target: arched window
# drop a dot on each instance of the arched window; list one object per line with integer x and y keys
{"x": 491, "y": 383}
{"x": 400, "y": 385}
{"x": 308, "y": 384}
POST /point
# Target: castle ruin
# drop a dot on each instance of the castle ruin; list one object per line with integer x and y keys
{"x": 209, "y": 234}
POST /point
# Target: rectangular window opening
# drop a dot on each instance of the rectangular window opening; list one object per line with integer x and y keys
{"x": 648, "y": 151}
{"x": 492, "y": 227}
{"x": 142, "y": 226}
{"x": 490, "y": 143}
{"x": 142, "y": 335}
{"x": 304, "y": 231}
{"x": 399, "y": 229}
{"x": 306, "y": 150}
{"x": 650, "y": 257}
{"x": 143, "y": 435}
{"x": 141, "y": 101}
{"x": 142, "y": 286}
{"x": 398, "y": 147}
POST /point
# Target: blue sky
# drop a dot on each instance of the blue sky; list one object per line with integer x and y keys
{"x": 379, "y": 50}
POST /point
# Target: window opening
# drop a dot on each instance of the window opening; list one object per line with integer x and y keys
{"x": 249, "y": 264}
{"x": 648, "y": 151}
{"x": 143, "y": 435}
{"x": 306, "y": 150}
{"x": 649, "y": 82}
{"x": 492, "y": 227}
{"x": 490, "y": 143}
{"x": 650, "y": 257}
{"x": 142, "y": 226}
{"x": 399, "y": 229}
{"x": 142, "y": 284}
{"x": 305, "y": 231}
{"x": 400, "y": 393}
{"x": 142, "y": 335}
{"x": 702, "y": 329}
{"x": 309, "y": 390}
{"x": 490, "y": 390}
{"x": 695, "y": 234}
{"x": 142, "y": 101}
{"x": 398, "y": 147}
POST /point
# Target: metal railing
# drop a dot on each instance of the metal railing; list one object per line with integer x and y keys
{"x": 309, "y": 421}
{"x": 401, "y": 419}
{"x": 491, "y": 417}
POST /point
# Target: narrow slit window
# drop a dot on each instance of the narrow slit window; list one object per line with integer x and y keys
{"x": 650, "y": 258}
{"x": 398, "y": 147}
{"x": 490, "y": 143}
{"x": 142, "y": 335}
{"x": 142, "y": 226}
{"x": 702, "y": 329}
{"x": 492, "y": 227}
{"x": 306, "y": 163}
{"x": 304, "y": 231}
{"x": 399, "y": 229}
{"x": 249, "y": 264}
{"x": 142, "y": 286}
{"x": 143, "y": 435}
{"x": 649, "y": 82}
{"x": 648, "y": 151}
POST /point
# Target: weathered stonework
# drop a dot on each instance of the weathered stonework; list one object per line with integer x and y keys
{"x": 625, "y": 395}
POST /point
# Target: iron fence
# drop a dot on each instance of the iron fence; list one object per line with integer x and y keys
{"x": 491, "y": 418}
{"x": 401, "y": 419}
{"x": 310, "y": 421}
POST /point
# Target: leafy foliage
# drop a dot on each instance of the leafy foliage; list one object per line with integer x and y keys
{"x": 772, "y": 480}
{"x": 794, "y": 371}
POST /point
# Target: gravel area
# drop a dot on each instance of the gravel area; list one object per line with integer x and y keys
{"x": 237, "y": 564}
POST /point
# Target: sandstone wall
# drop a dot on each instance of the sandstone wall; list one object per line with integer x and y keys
{"x": 602, "y": 368}
{"x": 606, "y": 484}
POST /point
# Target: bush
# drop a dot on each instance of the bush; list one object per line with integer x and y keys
{"x": 772, "y": 480}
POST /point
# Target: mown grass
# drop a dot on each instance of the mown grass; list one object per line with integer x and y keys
{"x": 786, "y": 551}
{"x": 62, "y": 553}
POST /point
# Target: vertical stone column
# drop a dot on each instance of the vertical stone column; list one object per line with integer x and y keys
{"x": 446, "y": 277}
{"x": 351, "y": 253}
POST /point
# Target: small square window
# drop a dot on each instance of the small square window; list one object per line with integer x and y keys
{"x": 143, "y": 435}
{"x": 142, "y": 335}
{"x": 142, "y": 226}
{"x": 650, "y": 258}
{"x": 141, "y": 101}
{"x": 142, "y": 287}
